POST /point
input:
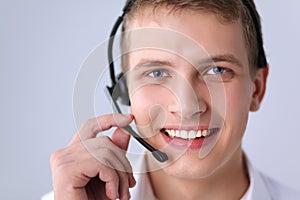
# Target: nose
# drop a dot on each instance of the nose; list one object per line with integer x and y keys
{"x": 188, "y": 98}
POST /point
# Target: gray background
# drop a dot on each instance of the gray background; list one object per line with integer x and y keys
{"x": 42, "y": 46}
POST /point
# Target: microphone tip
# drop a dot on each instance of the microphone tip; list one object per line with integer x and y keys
{"x": 160, "y": 156}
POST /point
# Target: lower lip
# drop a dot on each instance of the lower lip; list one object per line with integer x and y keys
{"x": 195, "y": 144}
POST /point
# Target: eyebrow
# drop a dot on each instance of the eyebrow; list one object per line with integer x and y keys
{"x": 152, "y": 62}
{"x": 229, "y": 58}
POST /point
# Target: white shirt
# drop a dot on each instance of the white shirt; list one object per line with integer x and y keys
{"x": 261, "y": 187}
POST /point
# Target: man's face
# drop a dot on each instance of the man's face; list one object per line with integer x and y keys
{"x": 194, "y": 109}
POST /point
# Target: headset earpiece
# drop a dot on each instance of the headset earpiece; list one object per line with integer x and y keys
{"x": 120, "y": 90}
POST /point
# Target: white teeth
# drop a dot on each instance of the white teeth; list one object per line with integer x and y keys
{"x": 192, "y": 134}
{"x": 204, "y": 133}
{"x": 172, "y": 133}
{"x": 177, "y": 133}
{"x": 184, "y": 134}
{"x": 198, "y": 133}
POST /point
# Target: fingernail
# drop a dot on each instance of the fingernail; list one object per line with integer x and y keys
{"x": 127, "y": 116}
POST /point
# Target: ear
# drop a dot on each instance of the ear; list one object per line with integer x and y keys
{"x": 260, "y": 81}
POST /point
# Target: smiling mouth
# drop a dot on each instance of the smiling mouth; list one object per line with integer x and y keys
{"x": 189, "y": 134}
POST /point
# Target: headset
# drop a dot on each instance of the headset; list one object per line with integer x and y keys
{"x": 119, "y": 89}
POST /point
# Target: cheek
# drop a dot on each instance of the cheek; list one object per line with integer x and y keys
{"x": 147, "y": 104}
{"x": 238, "y": 101}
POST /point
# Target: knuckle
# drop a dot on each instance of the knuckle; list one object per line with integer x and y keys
{"x": 106, "y": 140}
{"x": 60, "y": 158}
{"x": 60, "y": 169}
{"x": 104, "y": 158}
{"x": 105, "y": 143}
{"x": 89, "y": 124}
{"x": 55, "y": 158}
{"x": 109, "y": 176}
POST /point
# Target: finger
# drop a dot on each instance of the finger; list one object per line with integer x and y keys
{"x": 123, "y": 178}
{"x": 105, "y": 169}
{"x": 93, "y": 126}
{"x": 121, "y": 139}
{"x": 111, "y": 179}
{"x": 123, "y": 186}
{"x": 123, "y": 181}
{"x": 132, "y": 180}
{"x": 103, "y": 149}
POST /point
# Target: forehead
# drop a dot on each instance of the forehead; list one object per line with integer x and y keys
{"x": 201, "y": 28}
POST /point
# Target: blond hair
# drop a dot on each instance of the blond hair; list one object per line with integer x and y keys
{"x": 225, "y": 10}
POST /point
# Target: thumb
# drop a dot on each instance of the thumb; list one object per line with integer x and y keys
{"x": 121, "y": 138}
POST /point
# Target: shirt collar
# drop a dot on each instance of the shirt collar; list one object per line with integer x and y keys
{"x": 256, "y": 190}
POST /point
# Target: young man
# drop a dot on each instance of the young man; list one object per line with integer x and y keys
{"x": 192, "y": 103}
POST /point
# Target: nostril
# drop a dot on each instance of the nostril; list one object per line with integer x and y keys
{"x": 188, "y": 110}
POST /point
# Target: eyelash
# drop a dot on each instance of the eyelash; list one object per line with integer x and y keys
{"x": 162, "y": 72}
{"x": 210, "y": 74}
{"x": 216, "y": 68}
{"x": 225, "y": 75}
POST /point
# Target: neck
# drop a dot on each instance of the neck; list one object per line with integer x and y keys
{"x": 229, "y": 182}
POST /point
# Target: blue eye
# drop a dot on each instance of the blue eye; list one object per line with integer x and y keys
{"x": 158, "y": 74}
{"x": 218, "y": 74}
{"x": 217, "y": 70}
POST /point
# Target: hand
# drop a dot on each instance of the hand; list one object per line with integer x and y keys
{"x": 93, "y": 167}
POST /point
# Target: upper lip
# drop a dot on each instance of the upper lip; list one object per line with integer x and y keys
{"x": 188, "y": 128}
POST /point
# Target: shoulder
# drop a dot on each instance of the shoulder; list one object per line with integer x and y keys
{"x": 264, "y": 187}
{"x": 278, "y": 190}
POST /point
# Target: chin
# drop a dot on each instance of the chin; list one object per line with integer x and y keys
{"x": 188, "y": 168}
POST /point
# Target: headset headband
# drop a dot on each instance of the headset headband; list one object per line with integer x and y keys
{"x": 111, "y": 41}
